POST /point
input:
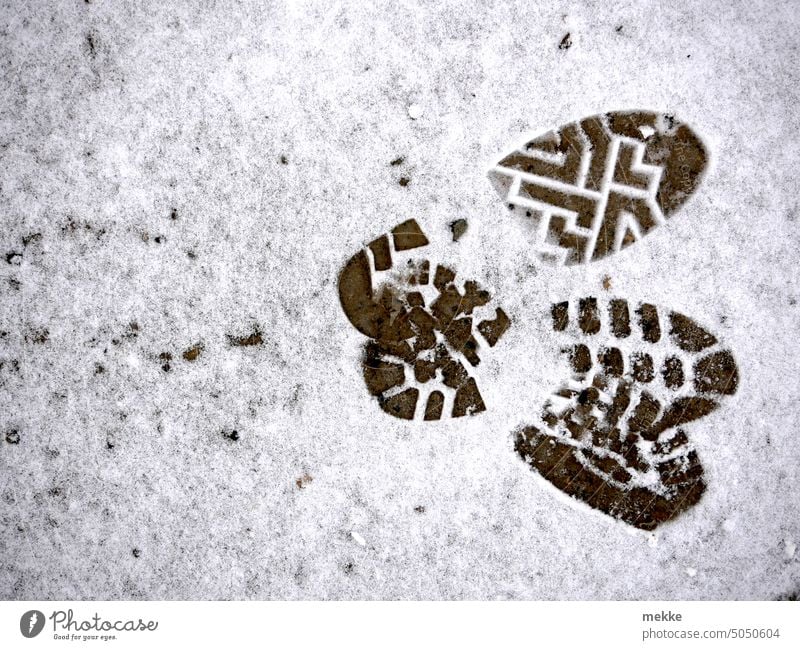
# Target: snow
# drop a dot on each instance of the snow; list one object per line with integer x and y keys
{"x": 202, "y": 171}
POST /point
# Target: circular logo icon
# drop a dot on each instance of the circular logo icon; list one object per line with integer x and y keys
{"x": 31, "y": 623}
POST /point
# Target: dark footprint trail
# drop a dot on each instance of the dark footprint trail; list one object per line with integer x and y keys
{"x": 615, "y": 434}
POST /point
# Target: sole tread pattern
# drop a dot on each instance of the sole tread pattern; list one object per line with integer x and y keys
{"x": 424, "y": 330}
{"x": 614, "y": 435}
{"x": 595, "y": 186}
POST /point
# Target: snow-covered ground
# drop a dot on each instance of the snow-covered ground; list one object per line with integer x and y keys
{"x": 182, "y": 411}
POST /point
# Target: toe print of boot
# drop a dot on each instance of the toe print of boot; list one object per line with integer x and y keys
{"x": 616, "y": 435}
{"x": 595, "y": 186}
{"x": 425, "y": 329}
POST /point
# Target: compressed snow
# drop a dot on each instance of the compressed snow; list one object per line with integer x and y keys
{"x": 185, "y": 180}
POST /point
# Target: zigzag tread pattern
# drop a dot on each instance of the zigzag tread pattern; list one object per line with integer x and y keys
{"x": 594, "y": 187}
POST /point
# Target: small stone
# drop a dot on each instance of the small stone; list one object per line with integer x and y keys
{"x": 458, "y": 228}
{"x": 193, "y": 352}
{"x": 304, "y": 480}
